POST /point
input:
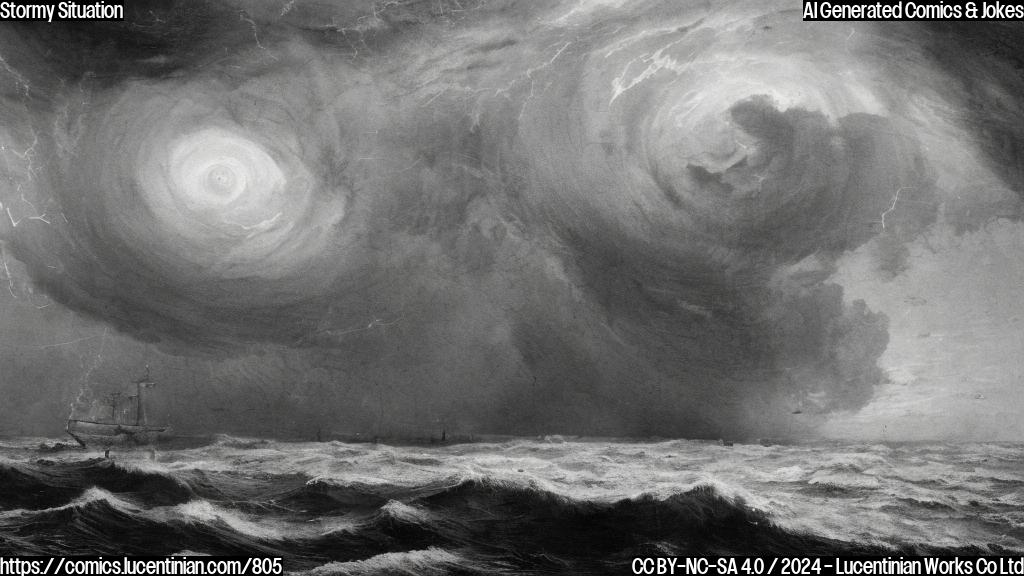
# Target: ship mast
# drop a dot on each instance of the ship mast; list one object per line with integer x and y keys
{"x": 115, "y": 399}
{"x": 140, "y": 406}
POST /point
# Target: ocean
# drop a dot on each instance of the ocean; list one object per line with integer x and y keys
{"x": 529, "y": 506}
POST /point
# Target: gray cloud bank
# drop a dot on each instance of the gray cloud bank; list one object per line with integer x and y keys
{"x": 506, "y": 217}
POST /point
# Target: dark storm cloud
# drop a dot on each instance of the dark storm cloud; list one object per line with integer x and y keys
{"x": 504, "y": 217}
{"x": 987, "y": 102}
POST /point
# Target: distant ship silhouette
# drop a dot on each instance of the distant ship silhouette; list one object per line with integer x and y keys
{"x": 126, "y": 425}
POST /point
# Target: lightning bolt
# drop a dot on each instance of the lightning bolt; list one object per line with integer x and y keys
{"x": 895, "y": 199}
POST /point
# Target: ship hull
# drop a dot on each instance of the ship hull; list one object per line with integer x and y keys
{"x": 106, "y": 435}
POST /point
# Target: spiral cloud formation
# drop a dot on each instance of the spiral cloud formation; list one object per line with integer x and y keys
{"x": 588, "y": 217}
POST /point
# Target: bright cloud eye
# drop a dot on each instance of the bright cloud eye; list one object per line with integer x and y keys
{"x": 220, "y": 180}
{"x": 218, "y": 169}
{"x": 207, "y": 190}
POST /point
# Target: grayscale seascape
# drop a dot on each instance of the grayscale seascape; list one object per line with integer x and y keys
{"x": 510, "y": 287}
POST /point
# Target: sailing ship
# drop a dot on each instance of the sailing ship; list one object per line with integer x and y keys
{"x": 125, "y": 426}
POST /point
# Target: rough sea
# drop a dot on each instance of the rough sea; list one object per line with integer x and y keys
{"x": 531, "y": 506}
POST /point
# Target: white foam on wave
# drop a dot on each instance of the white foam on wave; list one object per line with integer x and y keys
{"x": 787, "y": 474}
{"x": 89, "y": 496}
{"x": 428, "y": 562}
{"x": 205, "y": 512}
{"x": 844, "y": 480}
{"x": 399, "y": 511}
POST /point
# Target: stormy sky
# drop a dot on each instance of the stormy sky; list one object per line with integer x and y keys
{"x": 644, "y": 218}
